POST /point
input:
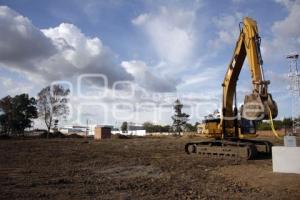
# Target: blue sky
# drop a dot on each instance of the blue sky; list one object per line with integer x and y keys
{"x": 167, "y": 49}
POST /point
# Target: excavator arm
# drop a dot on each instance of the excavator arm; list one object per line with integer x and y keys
{"x": 259, "y": 103}
{"x": 232, "y": 133}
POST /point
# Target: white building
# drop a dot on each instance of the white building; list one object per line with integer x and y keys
{"x": 80, "y": 130}
{"x": 130, "y": 132}
{"x": 132, "y": 129}
{"x": 74, "y": 129}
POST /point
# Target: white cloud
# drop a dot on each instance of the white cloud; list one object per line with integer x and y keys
{"x": 76, "y": 47}
{"x": 141, "y": 19}
{"x": 81, "y": 54}
{"x": 63, "y": 53}
{"x": 171, "y": 33}
{"x": 205, "y": 77}
{"x": 8, "y": 86}
{"x": 289, "y": 27}
{"x": 20, "y": 40}
{"x": 58, "y": 53}
{"x": 287, "y": 3}
{"x": 227, "y": 30}
{"x": 148, "y": 80}
{"x": 286, "y": 33}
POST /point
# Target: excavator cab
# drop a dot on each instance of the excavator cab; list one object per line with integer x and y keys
{"x": 247, "y": 126}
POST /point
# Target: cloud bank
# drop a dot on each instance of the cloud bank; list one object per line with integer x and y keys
{"x": 55, "y": 53}
{"x": 171, "y": 33}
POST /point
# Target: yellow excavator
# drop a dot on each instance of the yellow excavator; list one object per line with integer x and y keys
{"x": 233, "y": 131}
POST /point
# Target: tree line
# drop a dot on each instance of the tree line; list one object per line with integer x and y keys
{"x": 149, "y": 127}
{"x": 18, "y": 112}
{"x": 155, "y": 128}
{"x": 286, "y": 123}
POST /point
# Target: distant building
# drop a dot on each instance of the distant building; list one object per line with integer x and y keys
{"x": 80, "y": 130}
{"x": 74, "y": 129}
{"x": 132, "y": 129}
{"x": 102, "y": 132}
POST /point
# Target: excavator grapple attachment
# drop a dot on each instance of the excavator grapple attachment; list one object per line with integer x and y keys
{"x": 258, "y": 108}
{"x": 270, "y": 105}
{"x": 253, "y": 108}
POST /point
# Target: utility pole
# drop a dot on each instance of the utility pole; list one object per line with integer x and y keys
{"x": 294, "y": 87}
{"x": 87, "y": 128}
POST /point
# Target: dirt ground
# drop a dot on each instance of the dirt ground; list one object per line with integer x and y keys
{"x": 141, "y": 168}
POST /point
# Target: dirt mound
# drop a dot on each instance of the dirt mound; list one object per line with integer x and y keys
{"x": 120, "y": 136}
{"x": 52, "y": 135}
{"x": 4, "y": 137}
{"x": 74, "y": 135}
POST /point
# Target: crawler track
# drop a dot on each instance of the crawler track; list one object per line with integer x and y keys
{"x": 241, "y": 149}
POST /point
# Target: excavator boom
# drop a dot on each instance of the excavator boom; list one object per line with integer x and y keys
{"x": 233, "y": 130}
{"x": 258, "y": 104}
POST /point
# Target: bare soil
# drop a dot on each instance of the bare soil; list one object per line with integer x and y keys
{"x": 141, "y": 168}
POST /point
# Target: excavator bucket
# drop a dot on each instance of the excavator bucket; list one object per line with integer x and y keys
{"x": 258, "y": 108}
{"x": 270, "y": 108}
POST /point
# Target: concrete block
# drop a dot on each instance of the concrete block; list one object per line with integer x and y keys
{"x": 286, "y": 159}
{"x": 290, "y": 141}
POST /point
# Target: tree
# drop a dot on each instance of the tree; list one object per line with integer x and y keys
{"x": 17, "y": 113}
{"x": 24, "y": 109}
{"x": 6, "y": 114}
{"x": 124, "y": 127}
{"x": 148, "y": 126}
{"x": 52, "y": 104}
{"x": 286, "y": 123}
{"x": 55, "y": 125}
{"x": 179, "y": 118}
{"x": 190, "y": 127}
{"x": 151, "y": 128}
